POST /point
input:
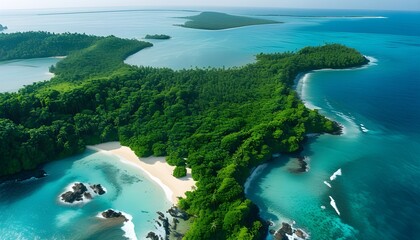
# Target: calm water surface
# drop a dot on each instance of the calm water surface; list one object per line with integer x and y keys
{"x": 378, "y": 193}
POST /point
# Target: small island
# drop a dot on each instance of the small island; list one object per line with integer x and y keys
{"x": 157, "y": 36}
{"x": 2, "y": 27}
{"x": 220, "y": 21}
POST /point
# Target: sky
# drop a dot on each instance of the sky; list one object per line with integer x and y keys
{"x": 413, "y": 5}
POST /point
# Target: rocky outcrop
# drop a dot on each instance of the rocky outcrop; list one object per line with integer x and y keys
{"x": 177, "y": 213}
{"x": 80, "y": 192}
{"x": 113, "y": 214}
{"x": 98, "y": 189}
{"x": 152, "y": 236}
{"x": 287, "y": 229}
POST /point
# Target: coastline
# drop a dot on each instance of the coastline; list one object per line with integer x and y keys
{"x": 302, "y": 79}
{"x": 155, "y": 167}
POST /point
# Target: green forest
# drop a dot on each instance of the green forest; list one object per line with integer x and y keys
{"x": 219, "y": 21}
{"x": 219, "y": 122}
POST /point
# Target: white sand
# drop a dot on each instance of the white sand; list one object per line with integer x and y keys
{"x": 155, "y": 167}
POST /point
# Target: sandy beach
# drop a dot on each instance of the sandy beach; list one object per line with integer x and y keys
{"x": 155, "y": 167}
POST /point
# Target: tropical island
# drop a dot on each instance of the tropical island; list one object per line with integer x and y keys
{"x": 157, "y": 36}
{"x": 2, "y": 27}
{"x": 221, "y": 123}
{"x": 219, "y": 21}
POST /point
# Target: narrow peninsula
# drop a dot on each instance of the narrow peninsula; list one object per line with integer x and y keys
{"x": 221, "y": 123}
{"x": 220, "y": 21}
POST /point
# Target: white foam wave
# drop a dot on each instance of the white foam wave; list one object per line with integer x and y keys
{"x": 257, "y": 171}
{"x": 363, "y": 128}
{"x": 128, "y": 227}
{"x": 334, "y": 205}
{"x": 335, "y": 174}
{"x": 301, "y": 88}
{"x": 328, "y": 184}
{"x": 84, "y": 199}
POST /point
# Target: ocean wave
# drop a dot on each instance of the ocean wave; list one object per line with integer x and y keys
{"x": 128, "y": 226}
{"x": 328, "y": 184}
{"x": 363, "y": 128}
{"x": 334, "y": 205}
{"x": 335, "y": 174}
{"x": 256, "y": 172}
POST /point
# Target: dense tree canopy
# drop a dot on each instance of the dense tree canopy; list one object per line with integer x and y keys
{"x": 219, "y": 122}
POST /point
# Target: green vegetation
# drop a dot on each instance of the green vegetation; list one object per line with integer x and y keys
{"x": 180, "y": 171}
{"x": 219, "y": 122}
{"x": 41, "y": 44}
{"x": 158, "y": 36}
{"x": 218, "y": 21}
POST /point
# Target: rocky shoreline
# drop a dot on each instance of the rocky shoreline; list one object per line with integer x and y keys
{"x": 23, "y": 176}
{"x": 113, "y": 214}
{"x": 80, "y": 192}
{"x": 171, "y": 229}
{"x": 287, "y": 232}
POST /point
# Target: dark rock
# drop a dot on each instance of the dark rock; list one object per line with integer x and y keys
{"x": 24, "y": 175}
{"x": 177, "y": 213}
{"x": 98, "y": 189}
{"x": 300, "y": 233}
{"x": 87, "y": 195}
{"x": 70, "y": 197}
{"x": 272, "y": 231}
{"x": 152, "y": 236}
{"x": 281, "y": 233}
{"x": 113, "y": 214}
{"x": 286, "y": 228}
{"x": 79, "y": 190}
{"x": 270, "y": 223}
{"x": 160, "y": 214}
{"x": 175, "y": 222}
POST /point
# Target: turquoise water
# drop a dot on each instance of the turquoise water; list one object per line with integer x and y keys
{"x": 32, "y": 210}
{"x": 17, "y": 73}
{"x": 378, "y": 193}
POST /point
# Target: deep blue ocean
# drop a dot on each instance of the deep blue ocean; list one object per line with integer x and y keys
{"x": 378, "y": 192}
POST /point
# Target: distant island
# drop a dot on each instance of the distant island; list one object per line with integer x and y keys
{"x": 157, "y": 36}
{"x": 2, "y": 27}
{"x": 219, "y": 21}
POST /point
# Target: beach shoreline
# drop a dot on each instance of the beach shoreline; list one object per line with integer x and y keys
{"x": 156, "y": 168}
